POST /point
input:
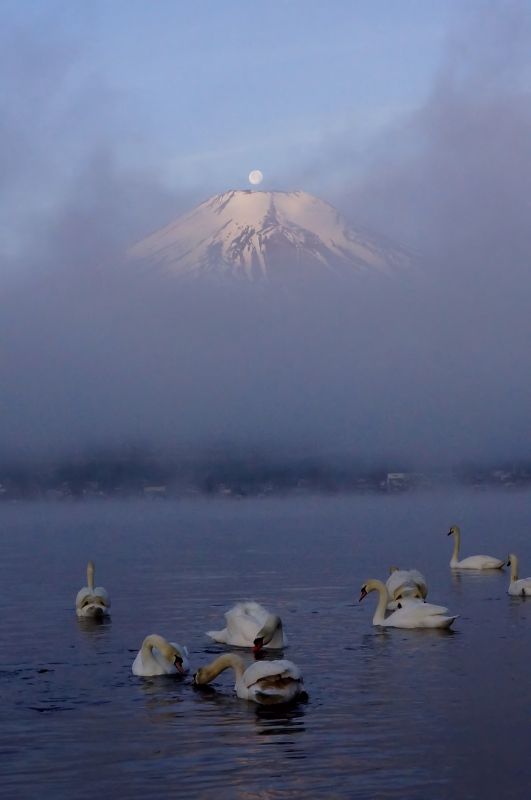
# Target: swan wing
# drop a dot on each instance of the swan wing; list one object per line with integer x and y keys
{"x": 282, "y": 669}
{"x": 419, "y": 580}
{"x": 396, "y": 581}
{"x": 521, "y": 587}
{"x": 281, "y": 692}
{"x": 99, "y": 591}
{"x": 480, "y": 562}
{"x": 249, "y": 609}
{"x": 154, "y": 664}
{"x": 403, "y": 580}
{"x": 415, "y": 612}
{"x": 404, "y": 600}
{"x": 243, "y": 623}
{"x": 84, "y": 592}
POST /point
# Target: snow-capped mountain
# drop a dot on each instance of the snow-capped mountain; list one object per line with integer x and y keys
{"x": 256, "y": 236}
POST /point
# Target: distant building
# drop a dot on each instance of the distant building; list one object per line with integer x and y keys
{"x": 401, "y": 481}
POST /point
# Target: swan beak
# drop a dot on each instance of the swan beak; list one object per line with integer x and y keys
{"x": 508, "y": 563}
{"x": 449, "y": 533}
{"x": 362, "y": 595}
{"x": 179, "y": 665}
{"x": 258, "y": 644}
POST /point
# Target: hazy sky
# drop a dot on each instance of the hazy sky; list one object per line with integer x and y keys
{"x": 196, "y": 95}
{"x": 411, "y": 117}
{"x": 205, "y": 92}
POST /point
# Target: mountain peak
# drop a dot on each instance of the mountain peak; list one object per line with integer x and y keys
{"x": 260, "y": 236}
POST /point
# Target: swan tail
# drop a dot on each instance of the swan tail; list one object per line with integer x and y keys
{"x": 449, "y": 620}
{"x": 218, "y": 636}
{"x": 272, "y": 695}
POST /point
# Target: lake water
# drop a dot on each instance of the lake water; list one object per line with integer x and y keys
{"x": 390, "y": 713}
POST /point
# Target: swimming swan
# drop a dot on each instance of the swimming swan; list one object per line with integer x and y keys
{"x": 404, "y": 583}
{"x": 520, "y": 587}
{"x": 251, "y": 625}
{"x": 472, "y": 562}
{"x": 411, "y": 615}
{"x": 265, "y": 682}
{"x": 160, "y": 657}
{"x": 92, "y": 602}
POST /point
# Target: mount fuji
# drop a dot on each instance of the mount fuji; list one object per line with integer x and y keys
{"x": 259, "y": 236}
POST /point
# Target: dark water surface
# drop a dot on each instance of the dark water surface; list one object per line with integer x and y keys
{"x": 390, "y": 713}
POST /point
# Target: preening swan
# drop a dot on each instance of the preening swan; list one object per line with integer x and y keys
{"x": 160, "y": 657}
{"x": 92, "y": 602}
{"x": 403, "y": 583}
{"x": 251, "y": 625}
{"x": 517, "y": 587}
{"x": 265, "y": 682}
{"x": 472, "y": 562}
{"x": 413, "y": 614}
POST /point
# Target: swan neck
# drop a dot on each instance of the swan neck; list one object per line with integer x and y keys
{"x": 271, "y": 626}
{"x": 222, "y": 663}
{"x": 455, "y": 556}
{"x": 381, "y": 608}
{"x": 90, "y": 576}
{"x": 154, "y": 640}
{"x": 514, "y": 568}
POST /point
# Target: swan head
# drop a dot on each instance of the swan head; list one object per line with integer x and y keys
{"x": 393, "y": 569}
{"x": 370, "y": 586}
{"x": 174, "y": 655}
{"x": 178, "y": 661}
{"x": 265, "y": 635}
{"x": 453, "y": 529}
{"x": 200, "y": 677}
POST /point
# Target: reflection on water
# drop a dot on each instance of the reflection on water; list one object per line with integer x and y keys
{"x": 389, "y": 713}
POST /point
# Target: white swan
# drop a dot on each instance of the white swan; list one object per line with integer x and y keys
{"x": 265, "y": 682}
{"x": 251, "y": 625}
{"x": 92, "y": 602}
{"x": 413, "y": 614}
{"x": 160, "y": 657}
{"x": 405, "y": 583}
{"x": 472, "y": 562}
{"x": 517, "y": 587}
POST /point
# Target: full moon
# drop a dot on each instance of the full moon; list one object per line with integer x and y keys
{"x": 256, "y": 177}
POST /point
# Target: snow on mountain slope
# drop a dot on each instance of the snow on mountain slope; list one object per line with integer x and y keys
{"x": 257, "y": 235}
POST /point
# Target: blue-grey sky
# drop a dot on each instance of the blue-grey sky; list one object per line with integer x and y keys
{"x": 199, "y": 94}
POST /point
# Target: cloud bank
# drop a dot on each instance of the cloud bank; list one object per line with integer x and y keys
{"x": 429, "y": 371}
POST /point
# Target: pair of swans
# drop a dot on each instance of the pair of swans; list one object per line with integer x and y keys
{"x": 92, "y": 603}
{"x": 411, "y": 612}
{"x": 517, "y": 587}
{"x": 472, "y": 562}
{"x": 264, "y": 682}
